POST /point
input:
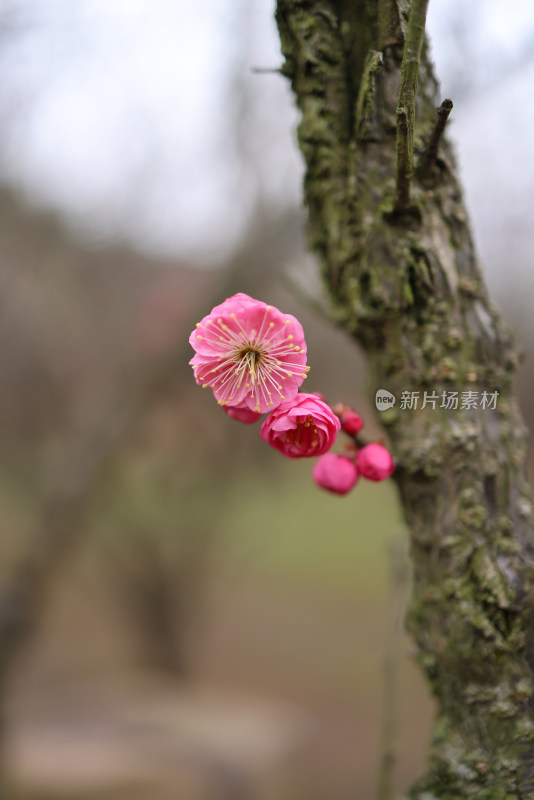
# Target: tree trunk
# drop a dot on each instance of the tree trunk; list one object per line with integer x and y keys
{"x": 404, "y": 281}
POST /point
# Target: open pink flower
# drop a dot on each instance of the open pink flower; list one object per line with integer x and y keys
{"x": 375, "y": 462}
{"x": 302, "y": 427}
{"x": 249, "y": 353}
{"x": 337, "y": 474}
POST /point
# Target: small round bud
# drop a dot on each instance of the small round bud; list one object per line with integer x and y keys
{"x": 335, "y": 473}
{"x": 375, "y": 462}
{"x": 351, "y": 422}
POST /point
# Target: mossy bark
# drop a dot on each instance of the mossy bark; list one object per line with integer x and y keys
{"x": 408, "y": 287}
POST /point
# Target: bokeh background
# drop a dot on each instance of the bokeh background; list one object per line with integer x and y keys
{"x": 182, "y": 614}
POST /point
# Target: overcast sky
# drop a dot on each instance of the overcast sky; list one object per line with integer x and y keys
{"x": 122, "y": 113}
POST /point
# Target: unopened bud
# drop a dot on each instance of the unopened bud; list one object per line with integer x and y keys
{"x": 351, "y": 422}
{"x": 375, "y": 462}
{"x": 335, "y": 473}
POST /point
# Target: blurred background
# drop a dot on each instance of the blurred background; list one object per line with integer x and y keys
{"x": 182, "y": 614}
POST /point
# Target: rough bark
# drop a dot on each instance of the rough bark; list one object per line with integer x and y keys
{"x": 407, "y": 286}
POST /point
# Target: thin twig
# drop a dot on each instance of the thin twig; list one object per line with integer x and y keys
{"x": 406, "y": 105}
{"x": 397, "y": 594}
{"x": 404, "y": 159}
{"x": 428, "y": 158}
{"x": 266, "y": 70}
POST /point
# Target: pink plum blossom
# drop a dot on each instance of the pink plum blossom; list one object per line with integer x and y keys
{"x": 337, "y": 474}
{"x": 249, "y": 353}
{"x": 302, "y": 427}
{"x": 375, "y": 462}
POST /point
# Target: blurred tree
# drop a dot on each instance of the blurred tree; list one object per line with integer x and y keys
{"x": 107, "y": 383}
{"x": 387, "y": 219}
{"x": 156, "y": 542}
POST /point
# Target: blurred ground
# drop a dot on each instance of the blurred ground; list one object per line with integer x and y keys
{"x": 285, "y": 683}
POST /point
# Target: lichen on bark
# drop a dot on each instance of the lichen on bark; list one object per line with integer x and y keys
{"x": 408, "y": 288}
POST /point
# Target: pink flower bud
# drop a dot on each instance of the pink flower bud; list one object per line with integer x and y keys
{"x": 334, "y": 473}
{"x": 375, "y": 462}
{"x": 351, "y": 422}
{"x": 301, "y": 427}
{"x": 242, "y": 414}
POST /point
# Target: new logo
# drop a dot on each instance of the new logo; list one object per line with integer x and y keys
{"x": 384, "y": 399}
